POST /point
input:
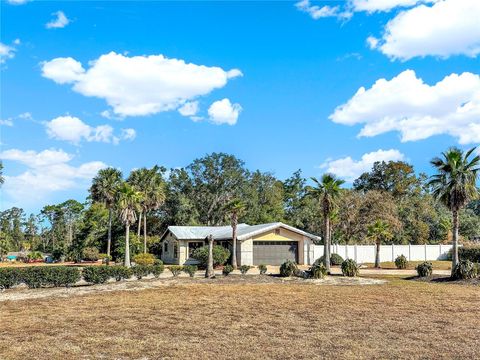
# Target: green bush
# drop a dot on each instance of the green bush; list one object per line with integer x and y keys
{"x": 288, "y": 268}
{"x": 401, "y": 262}
{"x": 119, "y": 272}
{"x": 157, "y": 269}
{"x": 96, "y": 274}
{"x": 262, "y": 268}
{"x": 90, "y": 254}
{"x": 140, "y": 271}
{"x": 176, "y": 270}
{"x": 66, "y": 276}
{"x": 35, "y": 277}
{"x": 244, "y": 269}
{"x": 220, "y": 255}
{"x": 144, "y": 259}
{"x": 35, "y": 255}
{"x": 190, "y": 270}
{"x": 104, "y": 257}
{"x": 424, "y": 269}
{"x": 9, "y": 277}
{"x": 227, "y": 269}
{"x": 335, "y": 259}
{"x": 465, "y": 269}
{"x": 471, "y": 253}
{"x": 350, "y": 268}
{"x": 318, "y": 271}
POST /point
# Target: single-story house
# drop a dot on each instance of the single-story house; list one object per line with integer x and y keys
{"x": 269, "y": 244}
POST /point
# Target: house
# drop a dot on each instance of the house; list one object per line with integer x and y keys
{"x": 269, "y": 244}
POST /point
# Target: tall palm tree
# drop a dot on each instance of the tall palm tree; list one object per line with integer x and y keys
{"x": 455, "y": 184}
{"x": 210, "y": 272}
{"x": 327, "y": 190}
{"x": 235, "y": 209}
{"x": 139, "y": 180}
{"x": 104, "y": 190}
{"x": 379, "y": 232}
{"x": 129, "y": 201}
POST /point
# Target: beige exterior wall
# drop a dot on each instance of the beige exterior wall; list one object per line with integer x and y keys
{"x": 181, "y": 256}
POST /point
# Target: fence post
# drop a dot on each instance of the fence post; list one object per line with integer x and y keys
{"x": 409, "y": 252}
{"x": 425, "y": 247}
{"x": 393, "y": 252}
{"x": 346, "y": 251}
{"x": 355, "y": 253}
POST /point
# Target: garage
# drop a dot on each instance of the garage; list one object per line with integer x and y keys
{"x": 274, "y": 252}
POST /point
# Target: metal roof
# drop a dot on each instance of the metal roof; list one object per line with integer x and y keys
{"x": 244, "y": 231}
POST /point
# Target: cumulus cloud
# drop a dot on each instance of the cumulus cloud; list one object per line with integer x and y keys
{"x": 17, "y": 2}
{"x": 189, "y": 108}
{"x": 316, "y": 12}
{"x": 60, "y": 21}
{"x": 72, "y": 129}
{"x": 47, "y": 172}
{"x": 224, "y": 112}
{"x": 448, "y": 27}
{"x": 417, "y": 110}
{"x": 384, "y": 5}
{"x": 6, "y": 122}
{"x": 6, "y": 52}
{"x": 160, "y": 84}
{"x": 350, "y": 169}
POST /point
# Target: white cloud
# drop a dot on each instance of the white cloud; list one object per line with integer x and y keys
{"x": 372, "y": 42}
{"x": 350, "y": 169}
{"x": 47, "y": 172}
{"x": 384, "y": 5}
{"x": 74, "y": 130}
{"x": 416, "y": 109}
{"x": 59, "y": 22}
{"x": 189, "y": 108}
{"x": 17, "y": 2}
{"x": 160, "y": 84}
{"x": 316, "y": 12}
{"x": 224, "y": 112}
{"x": 6, "y": 52}
{"x": 448, "y": 27}
{"x": 6, "y": 122}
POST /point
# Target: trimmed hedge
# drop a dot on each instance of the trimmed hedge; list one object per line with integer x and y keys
{"x": 190, "y": 270}
{"x": 335, "y": 259}
{"x": 96, "y": 274}
{"x": 424, "y": 269}
{"x": 220, "y": 255}
{"x": 120, "y": 273}
{"x": 144, "y": 259}
{"x": 244, "y": 269}
{"x": 175, "y": 270}
{"x": 39, "y": 276}
{"x": 401, "y": 262}
{"x": 227, "y": 269}
{"x": 141, "y": 271}
{"x": 9, "y": 277}
{"x": 471, "y": 253}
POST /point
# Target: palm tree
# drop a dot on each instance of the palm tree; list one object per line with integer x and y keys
{"x": 379, "y": 232}
{"x": 2, "y": 179}
{"x": 327, "y": 191}
{"x": 104, "y": 190}
{"x": 129, "y": 201}
{"x": 235, "y": 208}
{"x": 210, "y": 272}
{"x": 455, "y": 185}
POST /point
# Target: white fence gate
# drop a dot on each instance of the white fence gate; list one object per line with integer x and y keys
{"x": 366, "y": 253}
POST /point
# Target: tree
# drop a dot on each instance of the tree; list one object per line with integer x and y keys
{"x": 104, "y": 190}
{"x": 2, "y": 179}
{"x": 235, "y": 208}
{"x": 455, "y": 185}
{"x": 154, "y": 197}
{"x": 210, "y": 272}
{"x": 327, "y": 190}
{"x": 379, "y": 232}
{"x": 129, "y": 201}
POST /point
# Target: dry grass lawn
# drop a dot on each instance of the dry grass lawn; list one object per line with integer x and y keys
{"x": 401, "y": 319}
{"x": 437, "y": 265}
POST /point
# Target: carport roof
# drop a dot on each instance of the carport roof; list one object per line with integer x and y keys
{"x": 244, "y": 231}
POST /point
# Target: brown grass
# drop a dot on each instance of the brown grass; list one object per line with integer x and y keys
{"x": 402, "y": 319}
{"x": 437, "y": 265}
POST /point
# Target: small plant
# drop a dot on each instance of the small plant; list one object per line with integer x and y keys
{"x": 262, "y": 268}
{"x": 220, "y": 255}
{"x": 464, "y": 270}
{"x": 401, "y": 262}
{"x": 288, "y": 268}
{"x": 318, "y": 271}
{"x": 105, "y": 258}
{"x": 350, "y": 268}
{"x": 190, "y": 270}
{"x": 35, "y": 255}
{"x": 176, "y": 270}
{"x": 9, "y": 277}
{"x": 227, "y": 269}
{"x": 335, "y": 259}
{"x": 158, "y": 268}
{"x": 424, "y": 269}
{"x": 244, "y": 269}
{"x": 140, "y": 271}
{"x": 144, "y": 259}
{"x": 120, "y": 273}
{"x": 90, "y": 254}
{"x": 96, "y": 274}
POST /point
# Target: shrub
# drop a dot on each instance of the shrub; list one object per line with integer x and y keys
{"x": 227, "y": 269}
{"x": 350, "y": 268}
{"x": 90, "y": 254}
{"x": 35, "y": 277}
{"x": 288, "y": 268}
{"x": 335, "y": 259}
{"x": 190, "y": 270}
{"x": 244, "y": 269}
{"x": 318, "y": 271}
{"x": 424, "y": 269}
{"x": 35, "y": 255}
{"x": 104, "y": 257}
{"x": 140, "y": 271}
{"x": 401, "y": 262}
{"x": 96, "y": 274}
{"x": 144, "y": 259}
{"x": 9, "y": 277}
{"x": 263, "y": 269}
{"x": 157, "y": 269}
{"x": 62, "y": 276}
{"x": 220, "y": 255}
{"x": 465, "y": 269}
{"x": 471, "y": 253}
{"x": 119, "y": 272}
{"x": 176, "y": 270}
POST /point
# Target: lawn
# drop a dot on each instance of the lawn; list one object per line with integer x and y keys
{"x": 437, "y": 265}
{"x": 242, "y": 319}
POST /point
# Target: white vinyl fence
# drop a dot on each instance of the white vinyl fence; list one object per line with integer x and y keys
{"x": 366, "y": 253}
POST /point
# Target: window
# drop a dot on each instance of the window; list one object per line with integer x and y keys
{"x": 194, "y": 245}
{"x": 175, "y": 250}
{"x": 277, "y": 231}
{"x": 165, "y": 247}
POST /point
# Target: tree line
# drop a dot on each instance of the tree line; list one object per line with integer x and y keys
{"x": 125, "y": 215}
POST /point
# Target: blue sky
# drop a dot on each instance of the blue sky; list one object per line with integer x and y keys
{"x": 283, "y": 68}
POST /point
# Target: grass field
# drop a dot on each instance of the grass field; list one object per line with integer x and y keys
{"x": 246, "y": 320}
{"x": 437, "y": 265}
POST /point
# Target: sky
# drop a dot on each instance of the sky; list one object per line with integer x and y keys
{"x": 321, "y": 86}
